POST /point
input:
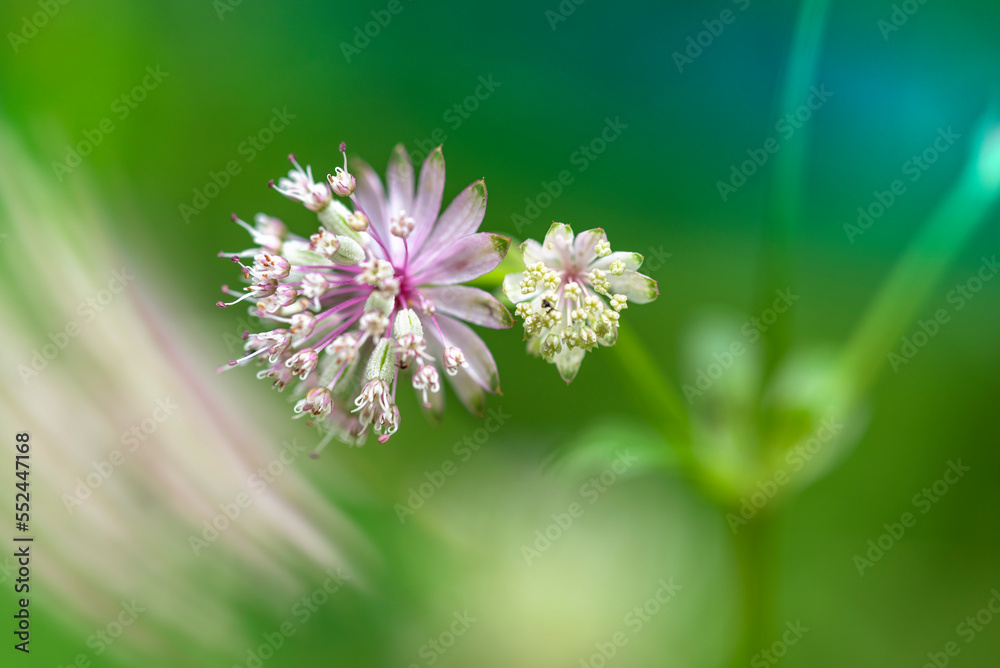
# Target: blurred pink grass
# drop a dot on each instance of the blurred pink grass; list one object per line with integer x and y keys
{"x": 129, "y": 539}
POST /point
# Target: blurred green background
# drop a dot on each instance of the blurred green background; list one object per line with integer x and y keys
{"x": 655, "y": 190}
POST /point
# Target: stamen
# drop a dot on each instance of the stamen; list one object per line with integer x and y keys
{"x": 329, "y": 338}
{"x": 246, "y": 226}
{"x": 246, "y": 269}
{"x": 307, "y": 172}
{"x": 340, "y": 307}
{"x": 222, "y": 304}
{"x": 342, "y": 182}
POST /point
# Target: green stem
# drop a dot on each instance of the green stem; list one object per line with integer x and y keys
{"x": 754, "y": 543}
{"x": 913, "y": 278}
{"x": 755, "y": 562}
{"x": 785, "y": 200}
{"x": 659, "y": 397}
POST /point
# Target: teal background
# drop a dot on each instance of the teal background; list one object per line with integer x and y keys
{"x": 654, "y": 187}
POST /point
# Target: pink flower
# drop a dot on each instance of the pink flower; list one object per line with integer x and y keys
{"x": 373, "y": 295}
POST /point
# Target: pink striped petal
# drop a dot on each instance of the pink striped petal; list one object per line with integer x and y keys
{"x": 471, "y": 305}
{"x": 468, "y": 258}
{"x": 400, "y": 180}
{"x": 462, "y": 217}
{"x": 371, "y": 197}
{"x": 481, "y": 367}
{"x": 469, "y": 391}
{"x": 428, "y": 202}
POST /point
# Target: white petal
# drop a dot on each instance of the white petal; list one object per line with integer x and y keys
{"x": 512, "y": 289}
{"x": 583, "y": 246}
{"x": 559, "y": 240}
{"x": 568, "y": 362}
{"x": 632, "y": 261}
{"x": 639, "y": 289}
{"x": 532, "y": 253}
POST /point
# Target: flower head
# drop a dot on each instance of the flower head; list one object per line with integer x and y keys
{"x": 572, "y": 292}
{"x": 373, "y": 296}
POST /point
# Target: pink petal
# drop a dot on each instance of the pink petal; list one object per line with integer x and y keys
{"x": 462, "y": 217}
{"x": 428, "y": 203}
{"x": 399, "y": 177}
{"x": 468, "y": 258}
{"x": 481, "y": 367}
{"x": 471, "y": 305}
{"x": 468, "y": 390}
{"x": 400, "y": 180}
{"x": 371, "y": 197}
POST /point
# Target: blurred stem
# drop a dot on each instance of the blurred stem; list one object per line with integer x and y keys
{"x": 754, "y": 543}
{"x": 896, "y": 305}
{"x": 659, "y": 397}
{"x": 755, "y": 563}
{"x": 785, "y": 201}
